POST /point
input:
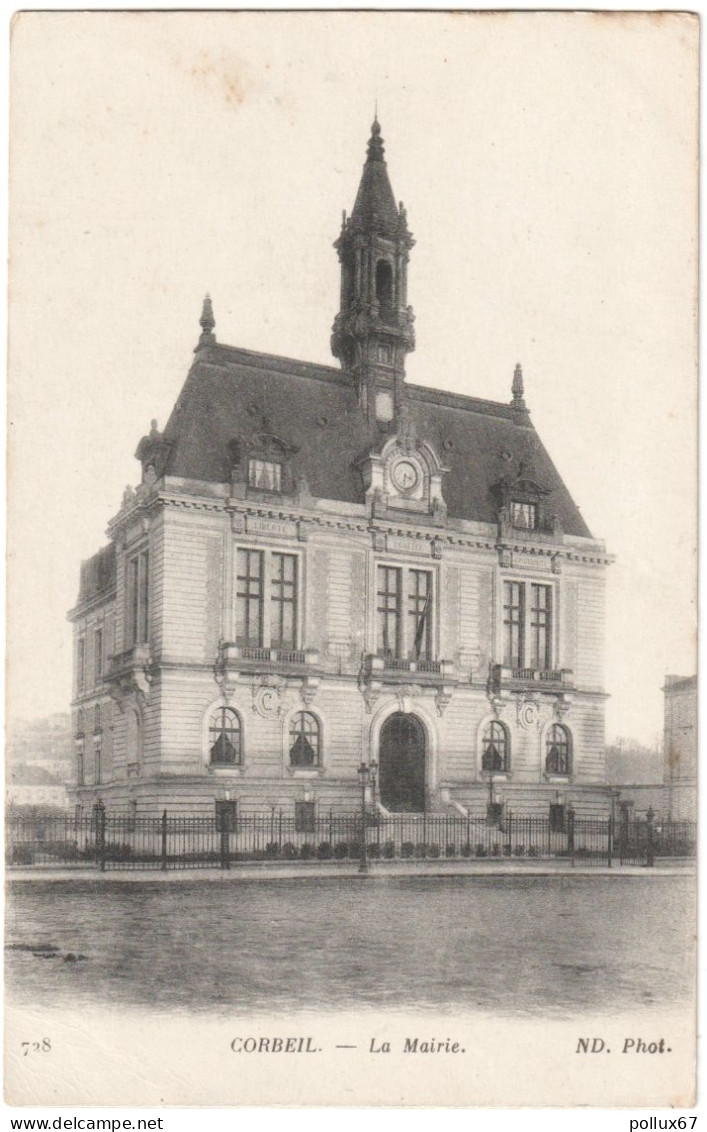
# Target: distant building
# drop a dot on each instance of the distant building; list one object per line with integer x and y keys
{"x": 35, "y": 786}
{"x": 324, "y": 567}
{"x": 680, "y": 745}
{"x": 40, "y": 762}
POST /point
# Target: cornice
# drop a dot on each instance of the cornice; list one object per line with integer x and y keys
{"x": 81, "y": 609}
{"x": 415, "y": 528}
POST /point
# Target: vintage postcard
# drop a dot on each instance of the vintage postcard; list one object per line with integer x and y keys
{"x": 352, "y": 559}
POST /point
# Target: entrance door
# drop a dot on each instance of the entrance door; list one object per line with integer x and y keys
{"x": 401, "y": 762}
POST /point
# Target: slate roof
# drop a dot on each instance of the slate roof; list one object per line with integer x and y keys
{"x": 375, "y": 205}
{"x": 314, "y": 408}
{"x": 98, "y": 575}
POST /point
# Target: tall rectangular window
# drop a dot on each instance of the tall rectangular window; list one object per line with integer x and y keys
{"x": 143, "y": 603}
{"x": 283, "y": 608}
{"x": 249, "y": 597}
{"x": 98, "y": 655}
{"x": 132, "y": 587}
{"x": 513, "y": 618}
{"x": 540, "y": 626}
{"x": 419, "y": 608}
{"x": 138, "y": 588}
{"x": 388, "y": 611}
{"x": 81, "y": 664}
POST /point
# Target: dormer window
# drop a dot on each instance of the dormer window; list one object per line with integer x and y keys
{"x": 265, "y": 474}
{"x": 524, "y": 515}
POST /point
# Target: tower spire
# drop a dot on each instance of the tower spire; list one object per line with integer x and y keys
{"x": 373, "y": 330}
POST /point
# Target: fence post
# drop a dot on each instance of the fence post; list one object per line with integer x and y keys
{"x": 100, "y": 812}
{"x": 164, "y": 840}
{"x": 225, "y": 863}
{"x": 570, "y": 833}
{"x": 650, "y": 846}
{"x": 610, "y": 840}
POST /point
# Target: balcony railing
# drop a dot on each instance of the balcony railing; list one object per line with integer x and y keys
{"x": 254, "y": 652}
{"x": 380, "y": 666}
{"x": 259, "y": 654}
{"x": 504, "y": 675}
{"x": 137, "y": 656}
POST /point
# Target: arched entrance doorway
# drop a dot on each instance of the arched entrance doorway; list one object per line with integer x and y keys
{"x": 401, "y": 763}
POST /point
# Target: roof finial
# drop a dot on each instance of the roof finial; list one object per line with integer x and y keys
{"x": 207, "y": 323}
{"x": 375, "y": 142}
{"x": 517, "y": 387}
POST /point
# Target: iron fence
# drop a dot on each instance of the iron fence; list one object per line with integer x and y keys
{"x": 109, "y": 841}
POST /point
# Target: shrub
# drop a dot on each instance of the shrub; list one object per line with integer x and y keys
{"x": 374, "y": 849}
{"x": 389, "y": 850}
{"x": 433, "y": 851}
{"x": 532, "y": 851}
{"x": 420, "y": 850}
{"x": 272, "y": 850}
{"x": 466, "y": 850}
{"x": 289, "y": 851}
{"x": 481, "y": 851}
{"x": 355, "y": 849}
{"x": 324, "y": 850}
{"x": 507, "y": 849}
{"x": 451, "y": 850}
{"x": 341, "y": 850}
{"x": 22, "y": 855}
{"x": 307, "y": 851}
{"x": 407, "y": 849}
{"x": 496, "y": 850}
{"x": 519, "y": 851}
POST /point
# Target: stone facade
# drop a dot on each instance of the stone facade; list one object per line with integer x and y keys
{"x": 323, "y": 568}
{"x": 680, "y": 745}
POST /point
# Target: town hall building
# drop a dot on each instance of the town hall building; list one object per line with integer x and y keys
{"x": 326, "y": 566}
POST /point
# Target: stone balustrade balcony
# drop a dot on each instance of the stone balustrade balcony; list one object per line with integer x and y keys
{"x": 266, "y": 658}
{"x": 393, "y": 670}
{"x": 538, "y": 679}
{"x": 139, "y": 656}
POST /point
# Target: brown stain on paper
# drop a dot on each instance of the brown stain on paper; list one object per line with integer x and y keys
{"x": 218, "y": 76}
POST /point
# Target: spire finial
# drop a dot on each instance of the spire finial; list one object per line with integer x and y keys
{"x": 375, "y": 142}
{"x": 517, "y": 387}
{"x": 207, "y": 322}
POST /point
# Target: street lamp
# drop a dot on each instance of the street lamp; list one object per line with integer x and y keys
{"x": 367, "y": 775}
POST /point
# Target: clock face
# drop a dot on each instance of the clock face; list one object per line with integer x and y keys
{"x": 405, "y": 475}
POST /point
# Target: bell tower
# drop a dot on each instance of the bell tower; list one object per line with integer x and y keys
{"x": 374, "y": 328}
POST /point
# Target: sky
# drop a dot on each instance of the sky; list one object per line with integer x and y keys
{"x": 547, "y": 162}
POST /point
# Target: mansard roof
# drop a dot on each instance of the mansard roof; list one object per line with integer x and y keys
{"x": 98, "y": 576}
{"x": 232, "y": 394}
